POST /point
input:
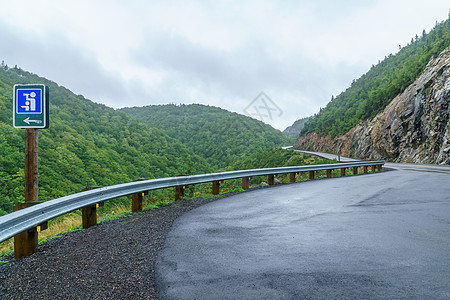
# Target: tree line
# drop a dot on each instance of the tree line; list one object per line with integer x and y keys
{"x": 221, "y": 137}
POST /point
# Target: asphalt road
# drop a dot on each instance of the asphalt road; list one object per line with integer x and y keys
{"x": 323, "y": 155}
{"x": 376, "y": 236}
{"x": 328, "y": 156}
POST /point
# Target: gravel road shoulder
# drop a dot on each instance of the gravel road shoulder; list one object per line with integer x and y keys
{"x": 113, "y": 260}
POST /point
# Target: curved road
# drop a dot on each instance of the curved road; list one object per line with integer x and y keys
{"x": 383, "y": 235}
{"x": 323, "y": 155}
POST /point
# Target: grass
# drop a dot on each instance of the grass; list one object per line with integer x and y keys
{"x": 157, "y": 204}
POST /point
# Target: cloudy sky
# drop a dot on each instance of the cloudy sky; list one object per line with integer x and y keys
{"x": 275, "y": 60}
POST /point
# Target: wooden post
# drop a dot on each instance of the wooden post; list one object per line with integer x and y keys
{"x": 329, "y": 173}
{"x": 311, "y": 175}
{"x": 31, "y": 165}
{"x": 136, "y": 199}
{"x": 365, "y": 170}
{"x": 89, "y": 216}
{"x": 245, "y": 183}
{"x": 136, "y": 202}
{"x": 271, "y": 179}
{"x": 89, "y": 213}
{"x": 343, "y": 171}
{"x": 355, "y": 170}
{"x": 292, "y": 177}
{"x": 179, "y": 192}
{"x": 216, "y": 187}
{"x": 373, "y": 168}
{"x": 380, "y": 168}
{"x": 26, "y": 243}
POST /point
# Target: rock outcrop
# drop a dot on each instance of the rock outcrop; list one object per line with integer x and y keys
{"x": 414, "y": 127}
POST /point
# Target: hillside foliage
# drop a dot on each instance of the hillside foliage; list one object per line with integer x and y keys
{"x": 221, "y": 137}
{"x": 87, "y": 144}
{"x": 294, "y": 130}
{"x": 272, "y": 158}
{"x": 368, "y": 95}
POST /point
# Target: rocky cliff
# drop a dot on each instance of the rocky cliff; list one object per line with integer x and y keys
{"x": 414, "y": 127}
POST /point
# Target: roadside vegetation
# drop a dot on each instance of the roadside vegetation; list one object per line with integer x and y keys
{"x": 294, "y": 130}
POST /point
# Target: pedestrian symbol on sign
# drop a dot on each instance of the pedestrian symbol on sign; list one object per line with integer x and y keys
{"x": 30, "y": 103}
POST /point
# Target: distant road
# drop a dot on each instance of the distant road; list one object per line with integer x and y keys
{"x": 375, "y": 236}
{"x": 324, "y": 155}
{"x": 420, "y": 167}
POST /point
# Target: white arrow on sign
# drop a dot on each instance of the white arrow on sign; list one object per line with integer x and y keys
{"x": 28, "y": 121}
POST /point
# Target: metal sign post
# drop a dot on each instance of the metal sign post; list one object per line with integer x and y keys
{"x": 30, "y": 111}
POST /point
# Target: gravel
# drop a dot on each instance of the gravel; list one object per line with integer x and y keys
{"x": 113, "y": 260}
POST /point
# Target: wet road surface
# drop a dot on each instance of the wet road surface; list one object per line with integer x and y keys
{"x": 376, "y": 236}
{"x": 328, "y": 156}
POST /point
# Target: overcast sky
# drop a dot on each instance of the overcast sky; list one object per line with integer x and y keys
{"x": 275, "y": 60}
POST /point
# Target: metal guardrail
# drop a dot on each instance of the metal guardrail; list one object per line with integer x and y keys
{"x": 27, "y": 218}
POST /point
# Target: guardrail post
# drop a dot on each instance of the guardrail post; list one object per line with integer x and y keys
{"x": 271, "y": 179}
{"x": 311, "y": 175}
{"x": 136, "y": 202}
{"x": 136, "y": 199}
{"x": 245, "y": 183}
{"x": 373, "y": 168}
{"x": 329, "y": 173}
{"x": 89, "y": 213}
{"x": 343, "y": 171}
{"x": 355, "y": 170}
{"x": 216, "y": 187}
{"x": 89, "y": 216}
{"x": 365, "y": 170}
{"x": 179, "y": 192}
{"x": 25, "y": 243}
{"x": 292, "y": 177}
{"x": 380, "y": 168}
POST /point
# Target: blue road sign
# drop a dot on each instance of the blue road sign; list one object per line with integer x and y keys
{"x": 29, "y": 101}
{"x": 31, "y": 106}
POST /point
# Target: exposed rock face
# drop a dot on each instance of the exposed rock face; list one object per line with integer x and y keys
{"x": 414, "y": 127}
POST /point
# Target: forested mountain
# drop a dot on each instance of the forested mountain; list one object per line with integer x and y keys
{"x": 414, "y": 127}
{"x": 221, "y": 137}
{"x": 86, "y": 144}
{"x": 294, "y": 130}
{"x": 369, "y": 95}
